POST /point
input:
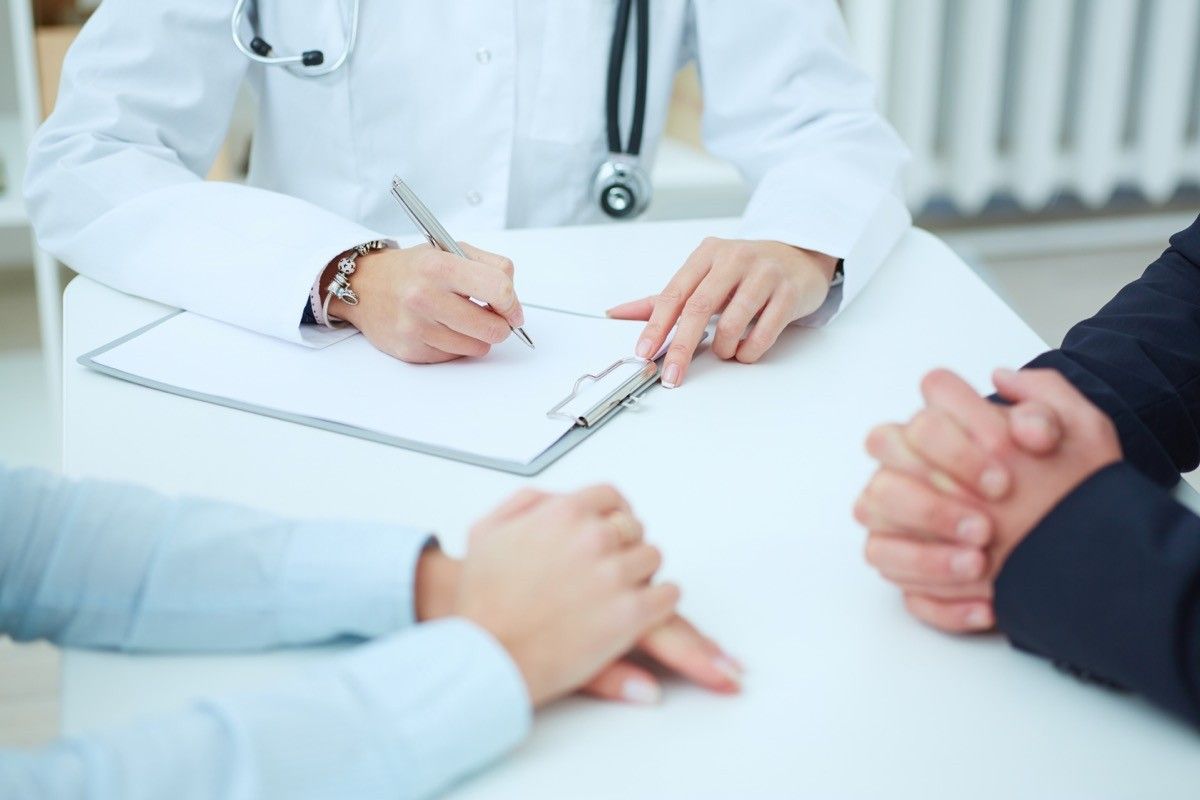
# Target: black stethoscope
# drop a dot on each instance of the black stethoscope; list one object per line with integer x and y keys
{"x": 622, "y": 185}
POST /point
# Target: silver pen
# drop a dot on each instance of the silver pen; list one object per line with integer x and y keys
{"x": 438, "y": 236}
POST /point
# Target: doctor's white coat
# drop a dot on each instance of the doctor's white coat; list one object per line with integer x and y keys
{"x": 493, "y": 110}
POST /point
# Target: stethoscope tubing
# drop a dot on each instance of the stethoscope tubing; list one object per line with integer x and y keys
{"x": 622, "y": 171}
{"x": 295, "y": 63}
{"x": 616, "y": 64}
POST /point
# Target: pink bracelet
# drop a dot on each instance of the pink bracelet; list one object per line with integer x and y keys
{"x": 318, "y": 308}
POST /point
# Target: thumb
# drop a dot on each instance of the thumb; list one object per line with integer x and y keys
{"x": 634, "y": 309}
{"x": 1036, "y": 428}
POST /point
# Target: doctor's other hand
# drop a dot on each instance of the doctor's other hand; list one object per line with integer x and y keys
{"x": 566, "y": 584}
{"x": 963, "y": 483}
{"x": 757, "y": 285}
{"x": 415, "y": 303}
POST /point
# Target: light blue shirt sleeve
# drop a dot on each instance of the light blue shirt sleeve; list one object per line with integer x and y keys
{"x": 102, "y": 565}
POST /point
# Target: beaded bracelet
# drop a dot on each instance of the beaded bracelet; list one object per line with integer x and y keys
{"x": 339, "y": 287}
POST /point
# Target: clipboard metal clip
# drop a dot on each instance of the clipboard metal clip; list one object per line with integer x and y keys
{"x": 625, "y": 395}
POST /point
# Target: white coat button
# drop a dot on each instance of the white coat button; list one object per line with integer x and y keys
{"x": 474, "y": 198}
{"x": 483, "y": 55}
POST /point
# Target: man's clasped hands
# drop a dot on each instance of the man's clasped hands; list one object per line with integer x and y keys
{"x": 962, "y": 484}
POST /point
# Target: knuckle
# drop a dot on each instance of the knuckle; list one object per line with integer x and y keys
{"x": 529, "y": 495}
{"x": 670, "y": 295}
{"x": 507, "y": 267}
{"x": 594, "y": 541}
{"x": 654, "y": 558}
{"x": 607, "y": 491}
{"x": 924, "y": 424}
{"x": 441, "y": 266}
{"x": 566, "y": 506}
{"x": 730, "y": 325}
{"x": 654, "y": 330}
{"x": 871, "y": 551}
{"x": 700, "y": 305}
{"x": 413, "y": 296}
{"x": 609, "y": 572}
{"x": 770, "y": 271}
{"x": 507, "y": 297}
{"x": 870, "y": 492}
{"x": 679, "y": 349}
{"x": 862, "y": 510}
{"x": 788, "y": 292}
{"x": 671, "y": 594}
{"x": 876, "y": 442}
{"x": 927, "y": 511}
{"x": 934, "y": 380}
{"x": 631, "y": 609}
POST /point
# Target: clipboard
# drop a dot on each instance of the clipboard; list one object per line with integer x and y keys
{"x": 585, "y": 421}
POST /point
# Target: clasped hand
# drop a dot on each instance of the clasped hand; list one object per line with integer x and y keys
{"x": 565, "y": 583}
{"x": 966, "y": 480}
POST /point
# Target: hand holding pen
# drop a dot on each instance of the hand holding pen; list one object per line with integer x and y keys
{"x": 414, "y": 303}
{"x": 426, "y": 305}
{"x": 437, "y": 235}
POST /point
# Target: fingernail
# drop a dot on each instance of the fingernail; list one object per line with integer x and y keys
{"x": 965, "y": 565}
{"x": 973, "y": 529}
{"x": 1006, "y": 374}
{"x": 640, "y": 692}
{"x": 943, "y": 482}
{"x": 979, "y": 618}
{"x": 670, "y": 377}
{"x": 994, "y": 482}
{"x": 643, "y": 348}
{"x": 729, "y": 668}
{"x": 1031, "y": 422}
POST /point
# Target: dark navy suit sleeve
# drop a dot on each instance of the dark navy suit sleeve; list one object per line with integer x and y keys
{"x": 1138, "y": 359}
{"x": 1108, "y": 584}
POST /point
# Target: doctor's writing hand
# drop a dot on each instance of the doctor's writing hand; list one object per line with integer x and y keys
{"x": 760, "y": 286}
{"x": 415, "y": 303}
{"x": 965, "y": 481}
{"x": 565, "y": 584}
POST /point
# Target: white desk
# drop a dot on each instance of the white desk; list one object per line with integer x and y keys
{"x": 746, "y": 477}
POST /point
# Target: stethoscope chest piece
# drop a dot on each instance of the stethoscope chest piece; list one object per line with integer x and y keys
{"x": 622, "y": 186}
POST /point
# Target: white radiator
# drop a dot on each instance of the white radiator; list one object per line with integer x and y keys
{"x": 1037, "y": 99}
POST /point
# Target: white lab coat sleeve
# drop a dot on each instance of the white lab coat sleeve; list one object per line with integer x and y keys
{"x": 785, "y": 103}
{"x": 114, "y": 183}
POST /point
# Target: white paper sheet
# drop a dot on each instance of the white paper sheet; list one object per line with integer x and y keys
{"x": 494, "y": 406}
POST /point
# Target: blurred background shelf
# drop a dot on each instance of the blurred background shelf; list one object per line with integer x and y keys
{"x": 12, "y": 155}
